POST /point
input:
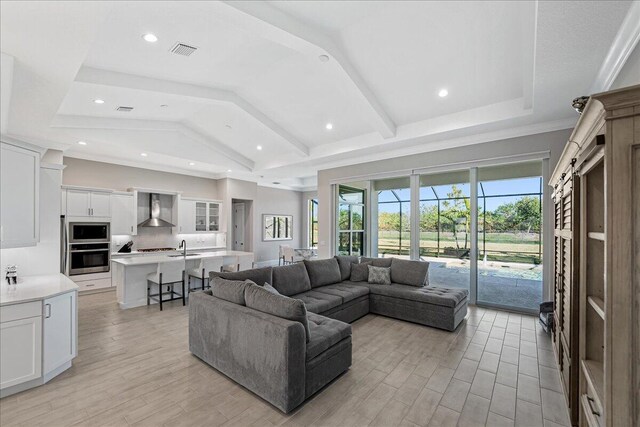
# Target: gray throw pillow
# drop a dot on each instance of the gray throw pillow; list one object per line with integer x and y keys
{"x": 281, "y": 306}
{"x": 412, "y": 273}
{"x": 344, "y": 262}
{"x": 271, "y": 289}
{"x": 258, "y": 275}
{"x": 323, "y": 272}
{"x": 379, "y": 275}
{"x": 230, "y": 290}
{"x": 360, "y": 272}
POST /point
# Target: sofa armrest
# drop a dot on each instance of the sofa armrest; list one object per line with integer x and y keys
{"x": 262, "y": 352}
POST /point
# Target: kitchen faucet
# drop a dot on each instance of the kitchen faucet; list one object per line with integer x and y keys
{"x": 183, "y": 246}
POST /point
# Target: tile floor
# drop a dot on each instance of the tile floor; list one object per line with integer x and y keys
{"x": 134, "y": 368}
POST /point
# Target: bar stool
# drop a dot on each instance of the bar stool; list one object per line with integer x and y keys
{"x": 201, "y": 272}
{"x": 167, "y": 274}
{"x": 230, "y": 264}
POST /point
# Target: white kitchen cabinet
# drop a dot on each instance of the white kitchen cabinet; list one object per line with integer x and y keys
{"x": 186, "y": 216}
{"x": 19, "y": 198}
{"x": 86, "y": 203}
{"x": 59, "y": 335}
{"x": 123, "y": 214}
{"x": 38, "y": 331}
{"x": 198, "y": 216}
{"x": 20, "y": 344}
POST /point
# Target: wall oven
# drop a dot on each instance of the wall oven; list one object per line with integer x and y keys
{"x": 85, "y": 258}
{"x": 80, "y": 232}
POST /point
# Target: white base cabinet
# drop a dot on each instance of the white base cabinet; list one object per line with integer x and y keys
{"x": 20, "y": 345}
{"x": 38, "y": 340}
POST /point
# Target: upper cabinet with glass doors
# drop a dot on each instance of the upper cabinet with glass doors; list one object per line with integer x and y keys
{"x": 198, "y": 216}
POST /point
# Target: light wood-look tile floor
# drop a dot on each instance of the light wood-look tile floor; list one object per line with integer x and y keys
{"x": 134, "y": 367}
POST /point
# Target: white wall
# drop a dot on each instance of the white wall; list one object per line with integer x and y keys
{"x": 116, "y": 177}
{"x": 44, "y": 258}
{"x": 275, "y": 201}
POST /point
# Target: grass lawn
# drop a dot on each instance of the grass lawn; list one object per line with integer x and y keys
{"x": 506, "y": 247}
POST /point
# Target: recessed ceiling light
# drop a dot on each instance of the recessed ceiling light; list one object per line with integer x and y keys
{"x": 329, "y": 126}
{"x": 443, "y": 93}
{"x": 192, "y": 164}
{"x": 259, "y": 147}
{"x": 82, "y": 143}
{"x": 323, "y": 58}
{"x": 151, "y": 38}
{"x": 228, "y": 170}
{"x": 143, "y": 154}
{"x": 98, "y": 101}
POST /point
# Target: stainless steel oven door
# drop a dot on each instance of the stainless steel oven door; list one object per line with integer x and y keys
{"x": 87, "y": 258}
{"x": 89, "y": 232}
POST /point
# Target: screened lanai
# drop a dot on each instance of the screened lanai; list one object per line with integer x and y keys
{"x": 509, "y": 232}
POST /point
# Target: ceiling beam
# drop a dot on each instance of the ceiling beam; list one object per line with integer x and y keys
{"x": 130, "y": 81}
{"x": 86, "y": 122}
{"x": 277, "y": 26}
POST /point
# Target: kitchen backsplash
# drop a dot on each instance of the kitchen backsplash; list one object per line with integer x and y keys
{"x": 163, "y": 238}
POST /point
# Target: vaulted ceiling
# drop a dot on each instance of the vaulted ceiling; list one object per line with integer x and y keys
{"x": 275, "y": 74}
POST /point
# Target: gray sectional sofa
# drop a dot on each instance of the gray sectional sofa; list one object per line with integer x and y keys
{"x": 286, "y": 360}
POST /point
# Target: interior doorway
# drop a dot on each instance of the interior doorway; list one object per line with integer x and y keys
{"x": 241, "y": 229}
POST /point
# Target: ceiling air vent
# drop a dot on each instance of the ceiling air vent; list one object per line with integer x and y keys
{"x": 124, "y": 109}
{"x": 183, "y": 49}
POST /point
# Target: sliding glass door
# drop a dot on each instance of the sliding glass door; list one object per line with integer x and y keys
{"x": 393, "y": 217}
{"x": 510, "y": 236}
{"x": 445, "y": 227}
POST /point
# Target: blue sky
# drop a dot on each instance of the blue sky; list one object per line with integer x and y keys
{"x": 508, "y": 186}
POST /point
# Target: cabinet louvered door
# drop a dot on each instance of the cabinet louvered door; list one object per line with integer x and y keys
{"x": 566, "y": 288}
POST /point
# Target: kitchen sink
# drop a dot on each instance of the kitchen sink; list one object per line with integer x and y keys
{"x": 180, "y": 255}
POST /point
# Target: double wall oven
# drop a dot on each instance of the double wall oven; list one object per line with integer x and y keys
{"x": 89, "y": 247}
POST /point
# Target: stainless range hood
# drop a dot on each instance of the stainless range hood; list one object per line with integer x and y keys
{"x": 154, "y": 214}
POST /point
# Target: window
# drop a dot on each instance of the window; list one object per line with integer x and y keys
{"x": 350, "y": 220}
{"x": 313, "y": 223}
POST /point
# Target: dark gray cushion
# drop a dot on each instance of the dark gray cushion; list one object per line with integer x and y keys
{"x": 271, "y": 289}
{"x": 325, "y": 333}
{"x": 229, "y": 290}
{"x": 427, "y": 294}
{"x": 318, "y": 302}
{"x": 379, "y": 275}
{"x": 344, "y": 290}
{"x": 413, "y": 273}
{"x": 360, "y": 272}
{"x": 378, "y": 262}
{"x": 323, "y": 272}
{"x": 344, "y": 262}
{"x": 259, "y": 276}
{"x": 291, "y": 279}
{"x": 281, "y": 306}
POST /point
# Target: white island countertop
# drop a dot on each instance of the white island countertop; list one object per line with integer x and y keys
{"x": 156, "y": 259}
{"x": 34, "y": 288}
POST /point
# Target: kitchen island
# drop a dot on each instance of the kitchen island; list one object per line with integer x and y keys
{"x": 129, "y": 274}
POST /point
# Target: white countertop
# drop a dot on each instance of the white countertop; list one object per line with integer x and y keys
{"x": 33, "y": 288}
{"x": 155, "y": 259}
{"x": 117, "y": 254}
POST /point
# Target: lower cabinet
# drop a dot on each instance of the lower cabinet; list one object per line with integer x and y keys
{"x": 59, "y": 331}
{"x": 20, "y": 351}
{"x": 37, "y": 340}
